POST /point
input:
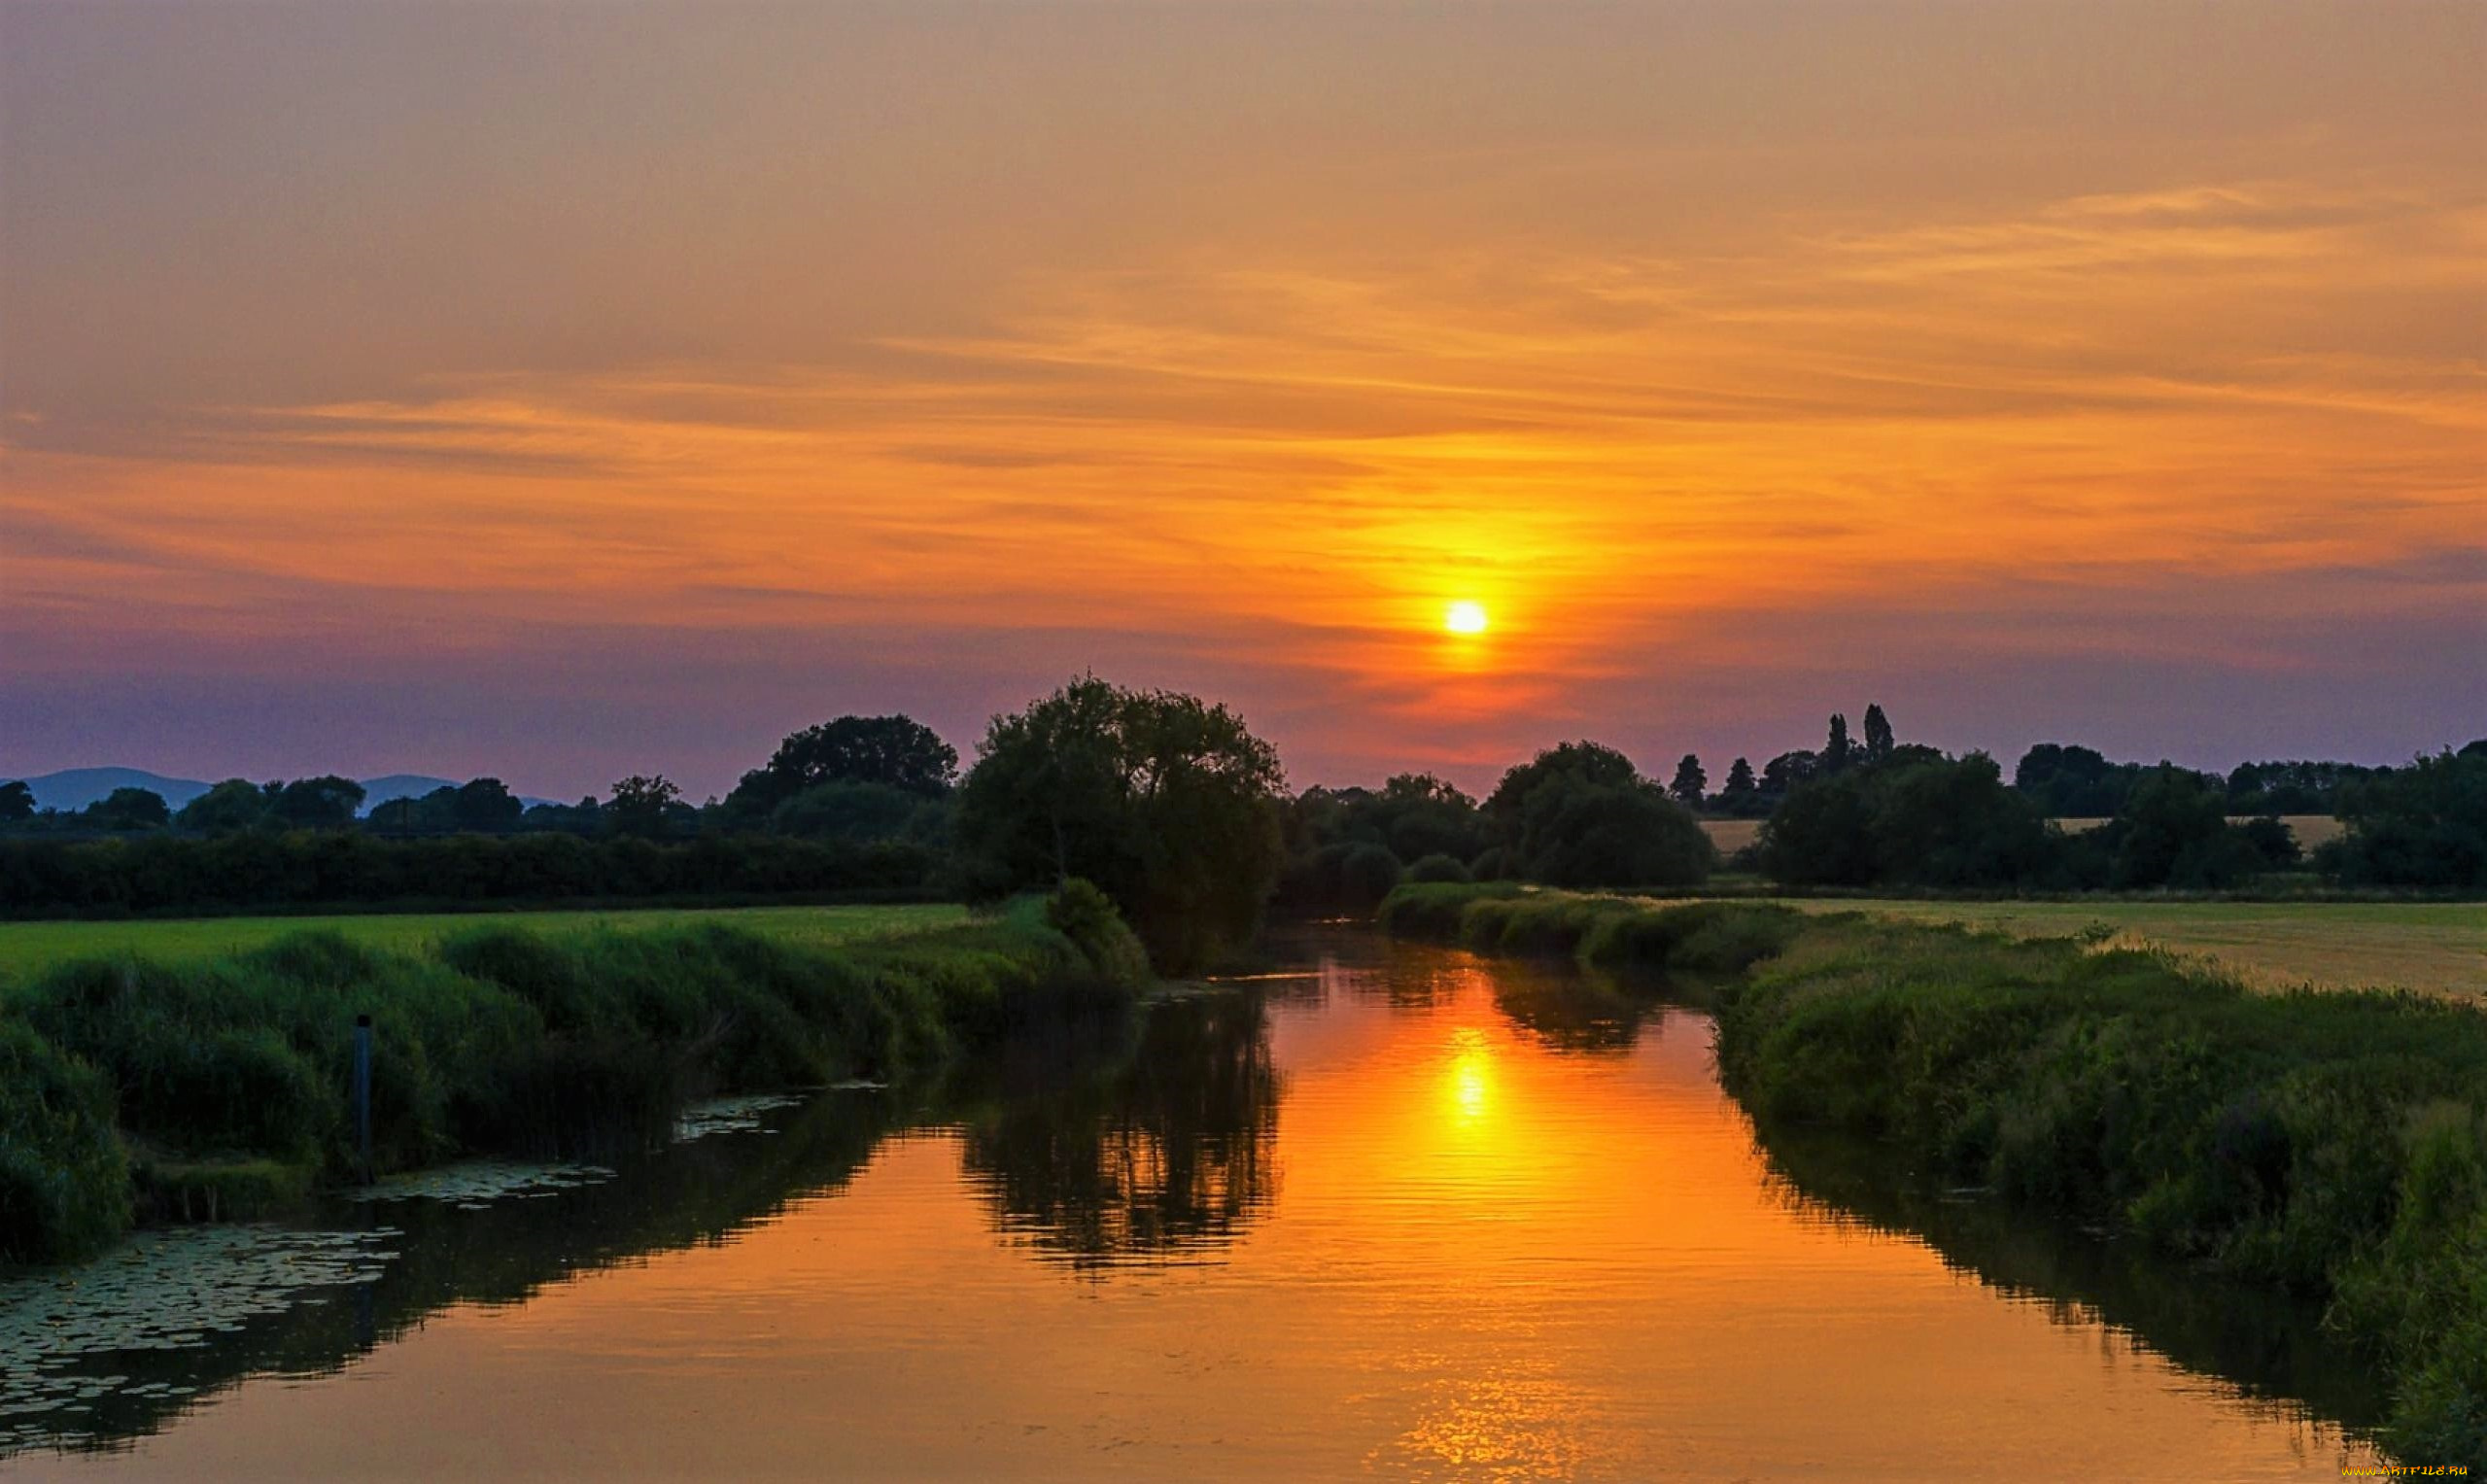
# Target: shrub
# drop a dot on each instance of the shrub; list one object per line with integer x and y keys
{"x": 65, "y": 1180}
{"x": 1437, "y": 868}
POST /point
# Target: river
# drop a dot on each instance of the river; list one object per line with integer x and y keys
{"x": 1382, "y": 1210}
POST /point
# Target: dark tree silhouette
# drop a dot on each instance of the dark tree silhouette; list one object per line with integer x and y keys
{"x": 1690, "y": 782}
{"x": 1879, "y": 740}
{"x": 1838, "y": 752}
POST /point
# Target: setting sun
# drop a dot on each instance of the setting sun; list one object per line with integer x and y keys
{"x": 1465, "y": 618}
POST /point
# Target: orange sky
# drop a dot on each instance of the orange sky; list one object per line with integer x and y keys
{"x": 565, "y": 391}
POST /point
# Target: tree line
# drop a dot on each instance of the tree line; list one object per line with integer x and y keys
{"x": 1171, "y": 805}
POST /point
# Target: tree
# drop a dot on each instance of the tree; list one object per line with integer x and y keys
{"x": 644, "y": 806}
{"x": 1879, "y": 740}
{"x": 1740, "y": 793}
{"x": 484, "y": 807}
{"x": 1689, "y": 782}
{"x": 17, "y": 803}
{"x": 1581, "y": 831}
{"x": 2173, "y": 831}
{"x": 1166, "y": 802}
{"x": 1590, "y": 762}
{"x": 2423, "y": 825}
{"x": 236, "y": 804}
{"x": 129, "y": 808}
{"x": 324, "y": 803}
{"x": 894, "y": 751}
{"x": 849, "y": 810}
{"x": 1781, "y": 775}
{"x": 1916, "y": 821}
{"x": 1837, "y": 753}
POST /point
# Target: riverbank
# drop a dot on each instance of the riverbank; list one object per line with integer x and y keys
{"x": 2334, "y": 1144}
{"x": 133, "y": 1090}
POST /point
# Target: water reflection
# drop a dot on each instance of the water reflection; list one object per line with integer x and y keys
{"x": 1521, "y": 1235}
{"x": 1164, "y": 1153}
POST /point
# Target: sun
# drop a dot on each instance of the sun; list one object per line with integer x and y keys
{"x": 1465, "y": 618}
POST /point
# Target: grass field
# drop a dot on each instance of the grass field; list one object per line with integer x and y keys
{"x": 28, "y": 947}
{"x": 2310, "y": 830}
{"x": 2437, "y": 946}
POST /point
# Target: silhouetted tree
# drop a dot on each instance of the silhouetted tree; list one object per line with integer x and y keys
{"x": 644, "y": 806}
{"x": 894, "y": 751}
{"x": 1781, "y": 775}
{"x": 1877, "y": 734}
{"x": 324, "y": 803}
{"x": 129, "y": 809}
{"x": 1741, "y": 793}
{"x": 2423, "y": 825}
{"x": 485, "y": 806}
{"x": 1588, "y": 761}
{"x": 1690, "y": 782}
{"x": 1166, "y": 802}
{"x": 236, "y": 804}
{"x": 17, "y": 803}
{"x": 2173, "y": 831}
{"x": 1837, "y": 751}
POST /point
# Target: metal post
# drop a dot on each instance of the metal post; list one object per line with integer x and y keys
{"x": 362, "y": 1092}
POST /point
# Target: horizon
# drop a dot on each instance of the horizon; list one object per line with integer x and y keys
{"x": 705, "y": 374}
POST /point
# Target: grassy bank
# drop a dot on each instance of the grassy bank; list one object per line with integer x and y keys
{"x": 27, "y": 948}
{"x": 2333, "y": 1144}
{"x": 134, "y": 1088}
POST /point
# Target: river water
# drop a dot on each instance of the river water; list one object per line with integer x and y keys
{"x": 1386, "y": 1211}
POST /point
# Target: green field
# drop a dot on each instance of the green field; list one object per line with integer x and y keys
{"x": 2437, "y": 946}
{"x": 28, "y": 947}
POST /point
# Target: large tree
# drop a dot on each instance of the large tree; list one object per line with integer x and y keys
{"x": 892, "y": 751}
{"x": 236, "y": 804}
{"x": 1879, "y": 740}
{"x": 17, "y": 803}
{"x": 1166, "y": 802}
{"x": 324, "y": 803}
{"x": 129, "y": 809}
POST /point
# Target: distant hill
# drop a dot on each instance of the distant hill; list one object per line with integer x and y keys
{"x": 77, "y": 787}
{"x": 400, "y": 785}
{"x": 73, "y": 788}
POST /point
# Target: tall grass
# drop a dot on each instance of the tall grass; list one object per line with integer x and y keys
{"x": 129, "y": 1086}
{"x": 2331, "y": 1143}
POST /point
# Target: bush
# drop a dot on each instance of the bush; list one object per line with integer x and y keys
{"x": 65, "y": 1180}
{"x": 233, "y": 1075}
{"x": 1437, "y": 868}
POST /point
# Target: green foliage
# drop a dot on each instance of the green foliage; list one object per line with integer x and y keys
{"x": 1912, "y": 820}
{"x": 157, "y": 873}
{"x": 890, "y": 752}
{"x": 2423, "y": 825}
{"x": 1587, "y": 761}
{"x": 232, "y": 1074}
{"x": 2173, "y": 831}
{"x": 852, "y": 812}
{"x": 236, "y": 804}
{"x": 65, "y": 1180}
{"x": 324, "y": 803}
{"x": 1168, "y": 803}
{"x": 2323, "y": 1142}
{"x": 645, "y": 806}
{"x": 1083, "y": 913}
{"x": 129, "y": 809}
{"x": 1577, "y": 831}
{"x": 1439, "y": 868}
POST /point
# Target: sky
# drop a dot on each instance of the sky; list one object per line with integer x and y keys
{"x": 559, "y": 392}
